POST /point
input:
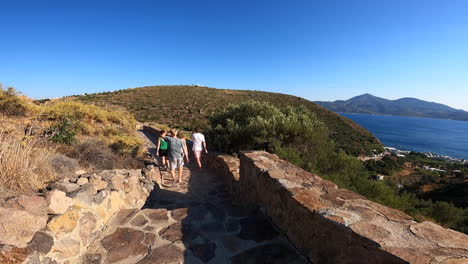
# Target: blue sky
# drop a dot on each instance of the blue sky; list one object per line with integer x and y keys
{"x": 319, "y": 50}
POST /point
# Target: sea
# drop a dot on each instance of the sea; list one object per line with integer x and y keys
{"x": 440, "y": 136}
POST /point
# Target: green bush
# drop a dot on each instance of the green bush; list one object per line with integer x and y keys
{"x": 294, "y": 133}
{"x": 64, "y": 131}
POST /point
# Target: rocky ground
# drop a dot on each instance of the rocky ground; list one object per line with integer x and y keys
{"x": 194, "y": 222}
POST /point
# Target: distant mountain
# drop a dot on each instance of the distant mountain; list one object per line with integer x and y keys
{"x": 370, "y": 104}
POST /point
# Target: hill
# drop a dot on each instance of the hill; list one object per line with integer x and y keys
{"x": 190, "y": 106}
{"x": 40, "y": 142}
{"x": 369, "y": 104}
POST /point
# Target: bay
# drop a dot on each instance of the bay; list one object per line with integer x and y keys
{"x": 440, "y": 136}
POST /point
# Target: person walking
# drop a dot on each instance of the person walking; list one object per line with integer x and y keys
{"x": 176, "y": 152}
{"x": 199, "y": 144}
{"x": 161, "y": 150}
{"x": 181, "y": 136}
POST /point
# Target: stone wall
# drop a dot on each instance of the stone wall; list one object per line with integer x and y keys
{"x": 57, "y": 225}
{"x": 333, "y": 225}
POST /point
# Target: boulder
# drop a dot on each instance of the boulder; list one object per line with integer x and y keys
{"x": 58, "y": 202}
{"x": 18, "y": 226}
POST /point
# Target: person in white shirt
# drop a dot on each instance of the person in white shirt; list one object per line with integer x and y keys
{"x": 199, "y": 144}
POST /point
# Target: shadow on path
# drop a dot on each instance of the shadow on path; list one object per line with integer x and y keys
{"x": 212, "y": 228}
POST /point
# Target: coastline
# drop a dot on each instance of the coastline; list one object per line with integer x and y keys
{"x": 431, "y": 155}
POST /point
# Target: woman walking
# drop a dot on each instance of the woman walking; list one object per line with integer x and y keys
{"x": 161, "y": 150}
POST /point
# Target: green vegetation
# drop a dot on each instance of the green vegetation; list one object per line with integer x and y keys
{"x": 297, "y": 135}
{"x": 186, "y": 107}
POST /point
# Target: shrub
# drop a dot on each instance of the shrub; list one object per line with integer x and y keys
{"x": 23, "y": 166}
{"x": 93, "y": 154}
{"x": 63, "y": 164}
{"x": 293, "y": 133}
{"x": 64, "y": 131}
{"x": 11, "y": 104}
{"x": 126, "y": 145}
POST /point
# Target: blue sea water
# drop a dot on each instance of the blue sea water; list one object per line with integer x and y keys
{"x": 444, "y": 137}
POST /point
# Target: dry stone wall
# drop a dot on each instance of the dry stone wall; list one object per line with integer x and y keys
{"x": 332, "y": 225}
{"x": 58, "y": 225}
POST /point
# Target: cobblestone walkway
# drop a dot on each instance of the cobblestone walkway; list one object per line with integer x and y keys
{"x": 194, "y": 222}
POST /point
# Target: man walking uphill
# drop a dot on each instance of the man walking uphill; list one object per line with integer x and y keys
{"x": 176, "y": 151}
{"x": 199, "y": 144}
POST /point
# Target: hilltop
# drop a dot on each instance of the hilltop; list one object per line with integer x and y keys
{"x": 370, "y": 104}
{"x": 190, "y": 106}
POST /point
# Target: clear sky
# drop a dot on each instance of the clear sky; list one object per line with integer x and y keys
{"x": 319, "y": 50}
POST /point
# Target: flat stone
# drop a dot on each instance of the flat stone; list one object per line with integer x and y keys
{"x": 156, "y": 215}
{"x": 172, "y": 233}
{"x": 149, "y": 239}
{"x": 149, "y": 228}
{"x": 79, "y": 172}
{"x": 139, "y": 220}
{"x": 214, "y": 227}
{"x": 205, "y": 252}
{"x": 179, "y": 214}
{"x": 257, "y": 228}
{"x": 117, "y": 182}
{"x": 166, "y": 254}
{"x": 41, "y": 242}
{"x": 178, "y": 232}
{"x": 100, "y": 196}
{"x": 66, "y": 248}
{"x": 232, "y": 225}
{"x": 33, "y": 204}
{"x": 65, "y": 223}
{"x": 99, "y": 184}
{"x": 232, "y": 243}
{"x": 442, "y": 236}
{"x": 87, "y": 225}
{"x": 124, "y": 243}
{"x": 82, "y": 181}
{"x": 58, "y": 202}
{"x": 34, "y": 259}
{"x": 124, "y": 216}
{"x": 18, "y": 226}
{"x": 91, "y": 259}
{"x": 270, "y": 253}
{"x": 48, "y": 260}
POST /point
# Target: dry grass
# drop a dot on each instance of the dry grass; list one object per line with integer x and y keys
{"x": 23, "y": 166}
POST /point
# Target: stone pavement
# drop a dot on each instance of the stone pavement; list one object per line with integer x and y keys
{"x": 193, "y": 222}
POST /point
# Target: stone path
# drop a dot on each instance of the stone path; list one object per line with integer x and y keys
{"x": 194, "y": 222}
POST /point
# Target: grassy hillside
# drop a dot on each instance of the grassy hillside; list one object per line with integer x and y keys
{"x": 189, "y": 106}
{"x": 41, "y": 142}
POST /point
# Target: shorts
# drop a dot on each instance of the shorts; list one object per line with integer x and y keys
{"x": 176, "y": 162}
{"x": 197, "y": 153}
{"x": 163, "y": 152}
